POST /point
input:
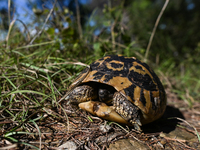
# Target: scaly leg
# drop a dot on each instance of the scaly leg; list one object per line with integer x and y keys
{"x": 127, "y": 110}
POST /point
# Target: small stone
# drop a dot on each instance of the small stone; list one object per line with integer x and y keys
{"x": 69, "y": 145}
{"x": 104, "y": 128}
{"x": 128, "y": 145}
{"x": 163, "y": 141}
{"x": 180, "y": 134}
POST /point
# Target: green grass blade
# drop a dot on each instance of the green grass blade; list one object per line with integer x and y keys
{"x": 10, "y": 81}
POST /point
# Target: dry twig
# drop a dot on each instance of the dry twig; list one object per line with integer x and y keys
{"x": 40, "y": 32}
{"x": 154, "y": 29}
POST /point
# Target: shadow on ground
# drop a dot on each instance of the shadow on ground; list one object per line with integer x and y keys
{"x": 166, "y": 123}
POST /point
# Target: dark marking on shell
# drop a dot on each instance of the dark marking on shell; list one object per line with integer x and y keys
{"x": 130, "y": 91}
{"x": 98, "y": 75}
{"x": 154, "y": 106}
{"x": 143, "y": 81}
{"x": 115, "y": 65}
{"x": 107, "y": 78}
{"x": 142, "y": 98}
{"x": 138, "y": 67}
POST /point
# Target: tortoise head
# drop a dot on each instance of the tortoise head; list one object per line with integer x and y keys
{"x": 81, "y": 93}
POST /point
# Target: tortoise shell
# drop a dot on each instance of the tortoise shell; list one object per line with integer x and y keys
{"x": 132, "y": 78}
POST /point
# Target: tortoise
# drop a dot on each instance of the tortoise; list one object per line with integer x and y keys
{"x": 121, "y": 89}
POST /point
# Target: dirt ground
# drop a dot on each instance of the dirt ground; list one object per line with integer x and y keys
{"x": 80, "y": 130}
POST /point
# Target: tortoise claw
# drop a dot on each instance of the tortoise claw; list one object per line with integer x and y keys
{"x": 137, "y": 127}
{"x": 138, "y": 122}
{"x": 103, "y": 111}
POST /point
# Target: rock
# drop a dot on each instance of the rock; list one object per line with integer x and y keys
{"x": 68, "y": 146}
{"x": 103, "y": 139}
{"x": 128, "y": 144}
{"x": 105, "y": 128}
{"x": 180, "y": 134}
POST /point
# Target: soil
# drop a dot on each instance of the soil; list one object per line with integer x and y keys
{"x": 77, "y": 129}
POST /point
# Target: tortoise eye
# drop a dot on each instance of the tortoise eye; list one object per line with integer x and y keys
{"x": 103, "y": 92}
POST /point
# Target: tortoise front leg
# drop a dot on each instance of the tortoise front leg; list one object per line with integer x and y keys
{"x": 103, "y": 111}
{"x": 127, "y": 110}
